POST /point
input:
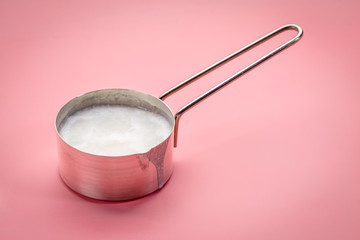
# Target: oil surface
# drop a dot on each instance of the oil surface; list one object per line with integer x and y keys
{"x": 115, "y": 130}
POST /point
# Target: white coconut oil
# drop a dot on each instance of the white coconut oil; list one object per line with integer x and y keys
{"x": 115, "y": 130}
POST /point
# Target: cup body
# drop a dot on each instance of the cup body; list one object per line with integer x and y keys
{"x": 115, "y": 178}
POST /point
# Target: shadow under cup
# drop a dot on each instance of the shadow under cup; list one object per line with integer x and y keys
{"x": 115, "y": 178}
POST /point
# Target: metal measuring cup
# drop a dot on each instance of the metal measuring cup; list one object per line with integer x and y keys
{"x": 118, "y": 178}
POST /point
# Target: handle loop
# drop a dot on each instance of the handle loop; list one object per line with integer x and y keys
{"x": 233, "y": 77}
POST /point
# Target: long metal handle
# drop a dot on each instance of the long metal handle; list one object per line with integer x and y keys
{"x": 233, "y": 77}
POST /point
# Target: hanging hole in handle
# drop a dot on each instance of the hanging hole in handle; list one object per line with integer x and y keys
{"x": 233, "y": 77}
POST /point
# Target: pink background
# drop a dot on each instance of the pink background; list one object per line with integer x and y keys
{"x": 275, "y": 155}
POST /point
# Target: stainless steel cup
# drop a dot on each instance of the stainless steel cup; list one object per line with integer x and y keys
{"x": 127, "y": 177}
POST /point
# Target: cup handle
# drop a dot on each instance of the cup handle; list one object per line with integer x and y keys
{"x": 233, "y": 77}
